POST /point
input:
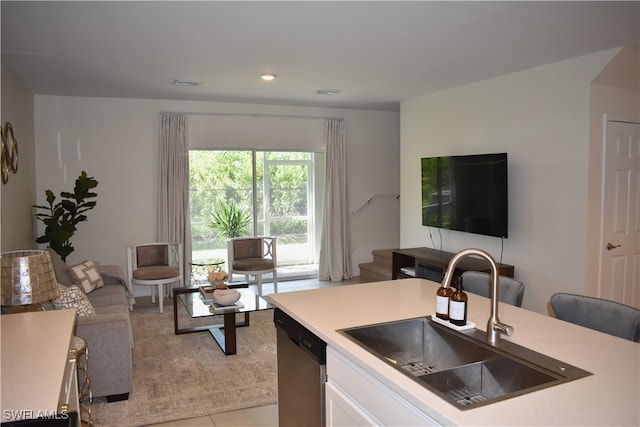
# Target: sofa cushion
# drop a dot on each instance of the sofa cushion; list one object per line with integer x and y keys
{"x": 73, "y": 297}
{"x": 109, "y": 295}
{"x": 61, "y": 269}
{"x": 155, "y": 273}
{"x": 86, "y": 276}
{"x": 108, "y": 309}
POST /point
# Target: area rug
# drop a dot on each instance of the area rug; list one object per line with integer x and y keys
{"x": 185, "y": 376}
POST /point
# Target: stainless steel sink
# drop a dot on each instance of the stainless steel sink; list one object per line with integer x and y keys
{"x": 461, "y": 367}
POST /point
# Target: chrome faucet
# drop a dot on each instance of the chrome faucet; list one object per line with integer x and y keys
{"x": 494, "y": 326}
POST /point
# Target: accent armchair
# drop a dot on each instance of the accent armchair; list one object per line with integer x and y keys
{"x": 157, "y": 265}
{"x": 253, "y": 256}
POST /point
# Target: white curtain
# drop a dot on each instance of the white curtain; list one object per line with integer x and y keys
{"x": 334, "y": 263}
{"x": 173, "y": 189}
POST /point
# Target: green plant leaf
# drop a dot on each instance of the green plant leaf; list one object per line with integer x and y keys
{"x": 60, "y": 219}
{"x": 50, "y": 197}
{"x": 229, "y": 220}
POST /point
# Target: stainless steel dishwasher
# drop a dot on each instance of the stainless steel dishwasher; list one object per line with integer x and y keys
{"x": 301, "y": 373}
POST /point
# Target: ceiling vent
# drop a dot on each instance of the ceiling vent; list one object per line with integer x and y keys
{"x": 186, "y": 82}
{"x": 328, "y": 91}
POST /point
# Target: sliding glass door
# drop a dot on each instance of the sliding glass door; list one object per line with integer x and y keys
{"x": 276, "y": 189}
{"x": 285, "y": 204}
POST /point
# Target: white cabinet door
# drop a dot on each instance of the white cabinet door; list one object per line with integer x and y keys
{"x": 342, "y": 411}
{"x": 620, "y": 248}
{"x": 380, "y": 404}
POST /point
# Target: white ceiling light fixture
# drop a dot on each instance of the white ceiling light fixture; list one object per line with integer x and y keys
{"x": 267, "y": 77}
{"x": 328, "y": 91}
{"x": 186, "y": 82}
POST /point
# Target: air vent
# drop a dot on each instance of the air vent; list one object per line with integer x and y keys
{"x": 328, "y": 91}
{"x": 186, "y": 82}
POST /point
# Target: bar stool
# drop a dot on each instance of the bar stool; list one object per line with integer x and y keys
{"x": 80, "y": 351}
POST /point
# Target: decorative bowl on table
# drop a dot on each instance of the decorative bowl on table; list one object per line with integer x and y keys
{"x": 226, "y": 296}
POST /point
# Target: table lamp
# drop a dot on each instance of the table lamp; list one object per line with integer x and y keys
{"x": 27, "y": 279}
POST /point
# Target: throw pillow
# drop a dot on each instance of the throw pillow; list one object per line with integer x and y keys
{"x": 73, "y": 297}
{"x": 61, "y": 268}
{"x": 86, "y": 276}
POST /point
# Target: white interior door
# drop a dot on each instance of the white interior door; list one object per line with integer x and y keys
{"x": 620, "y": 243}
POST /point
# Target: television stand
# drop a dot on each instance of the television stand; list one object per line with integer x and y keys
{"x": 431, "y": 264}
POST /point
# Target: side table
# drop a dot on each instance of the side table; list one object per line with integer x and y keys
{"x": 80, "y": 352}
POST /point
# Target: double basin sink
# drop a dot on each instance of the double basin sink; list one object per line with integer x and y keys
{"x": 461, "y": 367}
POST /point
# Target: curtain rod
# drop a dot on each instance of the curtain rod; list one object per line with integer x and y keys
{"x": 288, "y": 116}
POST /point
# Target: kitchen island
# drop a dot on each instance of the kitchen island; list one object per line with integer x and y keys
{"x": 611, "y": 396}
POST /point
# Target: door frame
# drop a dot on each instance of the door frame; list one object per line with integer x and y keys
{"x": 601, "y": 251}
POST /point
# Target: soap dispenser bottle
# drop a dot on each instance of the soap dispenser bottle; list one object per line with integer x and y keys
{"x": 458, "y": 305}
{"x": 442, "y": 302}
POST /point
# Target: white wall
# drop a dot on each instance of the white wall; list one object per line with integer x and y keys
{"x": 115, "y": 140}
{"x": 540, "y": 117}
{"x": 18, "y": 228}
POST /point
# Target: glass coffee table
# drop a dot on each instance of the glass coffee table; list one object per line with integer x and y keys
{"x": 197, "y": 308}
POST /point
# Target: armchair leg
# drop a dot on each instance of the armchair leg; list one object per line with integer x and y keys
{"x": 160, "y": 297}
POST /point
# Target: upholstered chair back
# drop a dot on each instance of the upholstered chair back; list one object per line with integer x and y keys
{"x": 510, "y": 291}
{"x": 599, "y": 314}
{"x": 247, "y": 248}
{"x": 152, "y": 255}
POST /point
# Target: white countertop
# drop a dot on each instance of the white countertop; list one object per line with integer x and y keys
{"x": 611, "y": 396}
{"x": 35, "y": 349}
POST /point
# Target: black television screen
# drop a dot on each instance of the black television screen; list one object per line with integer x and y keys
{"x": 466, "y": 193}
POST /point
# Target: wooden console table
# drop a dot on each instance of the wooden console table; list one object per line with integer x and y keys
{"x": 428, "y": 263}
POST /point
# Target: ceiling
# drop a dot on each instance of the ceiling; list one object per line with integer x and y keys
{"x": 376, "y": 53}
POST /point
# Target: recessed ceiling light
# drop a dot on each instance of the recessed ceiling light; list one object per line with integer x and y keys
{"x": 186, "y": 82}
{"x": 267, "y": 77}
{"x": 328, "y": 91}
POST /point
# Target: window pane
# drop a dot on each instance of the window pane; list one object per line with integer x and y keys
{"x": 285, "y": 200}
{"x": 288, "y": 190}
{"x": 287, "y": 155}
{"x": 215, "y": 178}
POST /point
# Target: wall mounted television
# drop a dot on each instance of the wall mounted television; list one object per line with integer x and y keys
{"x": 466, "y": 193}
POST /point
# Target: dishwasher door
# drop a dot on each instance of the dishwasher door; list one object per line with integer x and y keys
{"x": 301, "y": 373}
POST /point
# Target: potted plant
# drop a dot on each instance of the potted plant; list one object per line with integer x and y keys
{"x": 60, "y": 219}
{"x": 229, "y": 220}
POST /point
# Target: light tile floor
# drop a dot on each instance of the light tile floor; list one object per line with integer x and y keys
{"x": 261, "y": 415}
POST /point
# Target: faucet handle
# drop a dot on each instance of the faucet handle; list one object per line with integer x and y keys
{"x": 503, "y": 328}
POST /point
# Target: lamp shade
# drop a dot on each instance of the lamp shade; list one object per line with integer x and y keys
{"x": 27, "y": 277}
